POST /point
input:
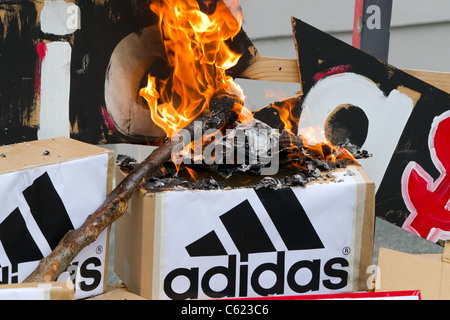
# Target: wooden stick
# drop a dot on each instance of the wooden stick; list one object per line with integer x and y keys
{"x": 220, "y": 116}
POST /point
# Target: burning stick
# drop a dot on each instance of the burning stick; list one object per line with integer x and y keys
{"x": 219, "y": 116}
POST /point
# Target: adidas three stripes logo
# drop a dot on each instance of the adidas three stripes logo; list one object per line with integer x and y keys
{"x": 49, "y": 213}
{"x": 248, "y": 233}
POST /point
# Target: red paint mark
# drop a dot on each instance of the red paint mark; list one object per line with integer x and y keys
{"x": 428, "y": 200}
{"x": 357, "y": 21}
{"x": 334, "y": 70}
{"x": 41, "y": 50}
{"x": 109, "y": 122}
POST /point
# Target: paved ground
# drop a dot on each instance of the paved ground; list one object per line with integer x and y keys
{"x": 395, "y": 238}
{"x": 386, "y": 236}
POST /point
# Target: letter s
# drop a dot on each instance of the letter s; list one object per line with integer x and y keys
{"x": 94, "y": 274}
{"x": 336, "y": 273}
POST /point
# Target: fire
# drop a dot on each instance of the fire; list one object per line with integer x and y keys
{"x": 314, "y": 135}
{"x": 195, "y": 35}
{"x": 285, "y": 112}
{"x": 314, "y": 141}
{"x": 192, "y": 173}
{"x": 317, "y": 143}
{"x": 195, "y": 43}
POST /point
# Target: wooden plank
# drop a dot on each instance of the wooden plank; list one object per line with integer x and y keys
{"x": 272, "y": 69}
{"x": 286, "y": 70}
{"x": 440, "y": 80}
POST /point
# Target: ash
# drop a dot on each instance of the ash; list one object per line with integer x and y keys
{"x": 298, "y": 165}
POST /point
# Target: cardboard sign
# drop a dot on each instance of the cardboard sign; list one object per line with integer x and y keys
{"x": 89, "y": 58}
{"x": 248, "y": 243}
{"x": 58, "y": 53}
{"x": 47, "y": 188}
{"x": 399, "y": 119}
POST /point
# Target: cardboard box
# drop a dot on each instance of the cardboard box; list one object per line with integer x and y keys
{"x": 119, "y": 292}
{"x": 402, "y": 271}
{"x": 243, "y": 242}
{"x": 47, "y": 188}
{"x": 38, "y": 291}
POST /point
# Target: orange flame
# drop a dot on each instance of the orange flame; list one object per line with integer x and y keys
{"x": 198, "y": 56}
{"x": 192, "y": 173}
{"x": 285, "y": 113}
{"x": 314, "y": 140}
{"x": 313, "y": 135}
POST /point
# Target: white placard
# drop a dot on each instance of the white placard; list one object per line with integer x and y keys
{"x": 25, "y": 222}
{"x": 213, "y": 221}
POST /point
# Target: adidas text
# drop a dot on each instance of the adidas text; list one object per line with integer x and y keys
{"x": 238, "y": 276}
{"x": 85, "y": 277}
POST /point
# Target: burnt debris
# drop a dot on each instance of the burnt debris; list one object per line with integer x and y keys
{"x": 298, "y": 165}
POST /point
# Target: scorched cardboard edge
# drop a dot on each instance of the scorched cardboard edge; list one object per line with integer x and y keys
{"x": 245, "y": 242}
{"x": 47, "y": 188}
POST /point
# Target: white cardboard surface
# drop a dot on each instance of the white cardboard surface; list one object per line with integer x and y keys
{"x": 81, "y": 185}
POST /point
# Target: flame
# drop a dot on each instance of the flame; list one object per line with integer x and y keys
{"x": 197, "y": 54}
{"x": 245, "y": 116}
{"x": 195, "y": 35}
{"x": 316, "y": 144}
{"x": 192, "y": 173}
{"x": 285, "y": 113}
{"x": 313, "y": 135}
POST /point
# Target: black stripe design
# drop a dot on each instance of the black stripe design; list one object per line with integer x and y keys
{"x": 17, "y": 241}
{"x": 208, "y": 245}
{"x": 48, "y": 210}
{"x": 246, "y": 231}
{"x": 289, "y": 218}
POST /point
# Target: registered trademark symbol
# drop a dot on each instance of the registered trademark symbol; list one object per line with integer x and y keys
{"x": 346, "y": 250}
{"x": 99, "y": 249}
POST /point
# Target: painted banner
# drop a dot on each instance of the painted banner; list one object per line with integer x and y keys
{"x": 55, "y": 59}
{"x": 399, "y": 119}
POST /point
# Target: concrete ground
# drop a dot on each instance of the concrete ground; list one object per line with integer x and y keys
{"x": 392, "y": 237}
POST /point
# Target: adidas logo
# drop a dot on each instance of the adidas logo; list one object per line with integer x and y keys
{"x": 50, "y": 215}
{"x": 250, "y": 238}
{"x": 17, "y": 244}
{"x": 248, "y": 233}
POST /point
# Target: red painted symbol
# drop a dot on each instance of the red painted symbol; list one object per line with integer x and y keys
{"x": 428, "y": 200}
